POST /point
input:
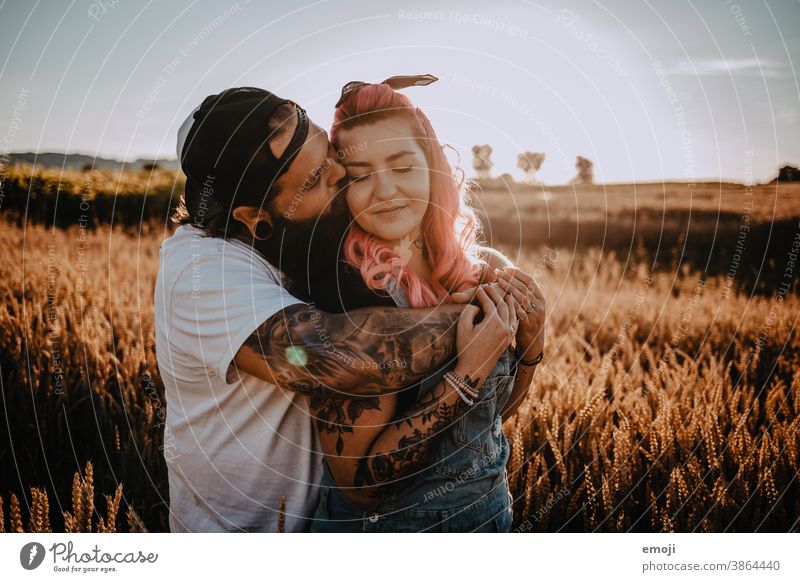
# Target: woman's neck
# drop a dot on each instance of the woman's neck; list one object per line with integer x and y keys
{"x": 411, "y": 251}
{"x": 420, "y": 266}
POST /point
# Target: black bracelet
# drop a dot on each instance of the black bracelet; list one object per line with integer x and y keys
{"x": 532, "y": 362}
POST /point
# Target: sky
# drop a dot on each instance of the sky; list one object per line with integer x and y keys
{"x": 648, "y": 90}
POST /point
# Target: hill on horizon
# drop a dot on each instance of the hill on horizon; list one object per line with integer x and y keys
{"x": 79, "y": 161}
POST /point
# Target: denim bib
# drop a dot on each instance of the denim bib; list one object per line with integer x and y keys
{"x": 460, "y": 487}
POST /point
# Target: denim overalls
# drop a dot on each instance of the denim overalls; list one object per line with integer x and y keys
{"x": 460, "y": 487}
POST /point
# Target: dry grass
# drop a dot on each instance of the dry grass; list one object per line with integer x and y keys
{"x": 659, "y": 407}
{"x": 78, "y": 367}
{"x": 84, "y": 518}
{"x": 651, "y": 411}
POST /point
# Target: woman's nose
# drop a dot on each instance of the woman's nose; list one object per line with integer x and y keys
{"x": 385, "y": 187}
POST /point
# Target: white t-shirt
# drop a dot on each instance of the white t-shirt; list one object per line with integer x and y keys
{"x": 233, "y": 450}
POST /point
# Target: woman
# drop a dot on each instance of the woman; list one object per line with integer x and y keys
{"x": 431, "y": 458}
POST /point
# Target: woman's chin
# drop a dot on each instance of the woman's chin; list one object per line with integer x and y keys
{"x": 392, "y": 234}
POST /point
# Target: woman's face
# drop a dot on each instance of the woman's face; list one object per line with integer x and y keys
{"x": 389, "y": 182}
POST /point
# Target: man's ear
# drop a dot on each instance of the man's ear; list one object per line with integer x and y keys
{"x": 251, "y": 216}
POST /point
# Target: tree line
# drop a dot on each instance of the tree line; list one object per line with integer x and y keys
{"x": 530, "y": 163}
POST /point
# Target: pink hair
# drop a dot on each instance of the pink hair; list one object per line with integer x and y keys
{"x": 449, "y": 226}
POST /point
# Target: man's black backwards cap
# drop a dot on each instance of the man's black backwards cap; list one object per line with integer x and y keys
{"x": 223, "y": 148}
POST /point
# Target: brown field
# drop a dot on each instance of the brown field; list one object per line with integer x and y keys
{"x": 770, "y": 202}
{"x": 667, "y": 401}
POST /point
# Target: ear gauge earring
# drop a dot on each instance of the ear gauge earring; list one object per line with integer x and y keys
{"x": 263, "y": 230}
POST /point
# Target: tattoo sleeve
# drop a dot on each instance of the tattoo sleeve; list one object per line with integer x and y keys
{"x": 359, "y": 353}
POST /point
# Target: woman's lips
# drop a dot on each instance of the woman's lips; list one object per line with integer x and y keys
{"x": 391, "y": 210}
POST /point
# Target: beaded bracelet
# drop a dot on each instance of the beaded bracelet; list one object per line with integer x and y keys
{"x": 465, "y": 385}
{"x": 457, "y": 384}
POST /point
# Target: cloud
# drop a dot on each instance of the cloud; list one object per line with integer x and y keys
{"x": 713, "y": 67}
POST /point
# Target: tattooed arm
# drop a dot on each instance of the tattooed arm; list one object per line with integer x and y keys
{"x": 367, "y": 451}
{"x": 363, "y": 352}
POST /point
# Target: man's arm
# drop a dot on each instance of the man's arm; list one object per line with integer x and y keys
{"x": 365, "y": 351}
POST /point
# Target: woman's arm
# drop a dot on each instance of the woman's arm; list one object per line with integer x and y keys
{"x": 530, "y": 335}
{"x": 522, "y": 383}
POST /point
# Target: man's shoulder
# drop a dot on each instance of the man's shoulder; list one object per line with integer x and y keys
{"x": 192, "y": 261}
{"x": 189, "y": 245}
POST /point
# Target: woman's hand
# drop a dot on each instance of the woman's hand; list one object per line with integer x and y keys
{"x": 480, "y": 344}
{"x": 530, "y": 310}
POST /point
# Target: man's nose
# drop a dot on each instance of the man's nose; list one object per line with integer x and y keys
{"x": 336, "y": 172}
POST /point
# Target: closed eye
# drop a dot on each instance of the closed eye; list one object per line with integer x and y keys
{"x": 404, "y": 169}
{"x": 358, "y": 178}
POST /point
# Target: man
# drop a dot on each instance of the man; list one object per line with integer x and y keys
{"x": 237, "y": 352}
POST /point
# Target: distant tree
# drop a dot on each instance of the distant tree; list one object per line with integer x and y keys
{"x": 530, "y": 163}
{"x": 151, "y": 167}
{"x": 585, "y": 169}
{"x": 87, "y": 167}
{"x": 482, "y": 160}
{"x": 788, "y": 174}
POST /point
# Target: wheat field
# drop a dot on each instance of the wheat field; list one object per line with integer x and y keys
{"x": 665, "y": 402}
